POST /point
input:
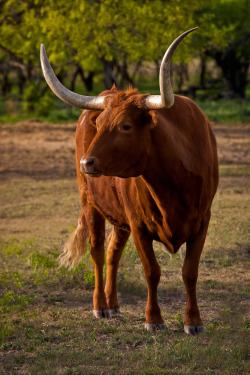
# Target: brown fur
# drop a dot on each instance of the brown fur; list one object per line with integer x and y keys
{"x": 158, "y": 173}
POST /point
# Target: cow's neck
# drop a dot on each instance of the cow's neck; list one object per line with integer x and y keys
{"x": 163, "y": 168}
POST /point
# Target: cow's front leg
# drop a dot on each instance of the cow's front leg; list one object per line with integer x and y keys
{"x": 193, "y": 324}
{"x": 152, "y": 272}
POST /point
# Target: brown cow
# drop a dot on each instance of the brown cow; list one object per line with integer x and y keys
{"x": 156, "y": 162}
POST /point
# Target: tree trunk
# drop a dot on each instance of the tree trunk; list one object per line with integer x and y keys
{"x": 21, "y": 81}
{"x": 5, "y": 84}
{"x": 181, "y": 75}
{"x": 73, "y": 79}
{"x": 109, "y": 77}
{"x": 123, "y": 70}
{"x": 234, "y": 63}
{"x": 203, "y": 70}
{"x": 89, "y": 81}
{"x": 87, "y": 78}
{"x": 234, "y": 73}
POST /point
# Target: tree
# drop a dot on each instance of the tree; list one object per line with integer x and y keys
{"x": 96, "y": 39}
{"x": 226, "y": 38}
{"x": 91, "y": 36}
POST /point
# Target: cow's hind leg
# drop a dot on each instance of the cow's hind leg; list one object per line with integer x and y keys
{"x": 193, "y": 324}
{"x": 96, "y": 226}
{"x": 116, "y": 242}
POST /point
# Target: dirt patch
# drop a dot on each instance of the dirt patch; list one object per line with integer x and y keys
{"x": 41, "y": 150}
{"x": 233, "y": 143}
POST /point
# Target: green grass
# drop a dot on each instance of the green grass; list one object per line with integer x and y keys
{"x": 234, "y": 170}
{"x": 47, "y": 324}
{"x": 229, "y": 111}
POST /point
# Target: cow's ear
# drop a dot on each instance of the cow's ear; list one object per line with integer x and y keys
{"x": 93, "y": 116}
{"x": 152, "y": 119}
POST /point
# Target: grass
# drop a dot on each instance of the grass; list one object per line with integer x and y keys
{"x": 229, "y": 111}
{"x": 234, "y": 170}
{"x": 46, "y": 322}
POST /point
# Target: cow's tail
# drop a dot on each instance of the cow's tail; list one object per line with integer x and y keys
{"x": 76, "y": 245}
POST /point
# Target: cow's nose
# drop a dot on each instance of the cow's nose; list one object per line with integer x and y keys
{"x": 89, "y": 165}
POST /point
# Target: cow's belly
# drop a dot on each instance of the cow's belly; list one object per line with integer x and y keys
{"x": 122, "y": 203}
{"x": 170, "y": 224}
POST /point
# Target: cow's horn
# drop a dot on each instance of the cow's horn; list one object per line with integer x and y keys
{"x": 166, "y": 99}
{"x": 69, "y": 97}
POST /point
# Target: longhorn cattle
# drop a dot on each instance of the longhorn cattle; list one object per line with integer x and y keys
{"x": 148, "y": 164}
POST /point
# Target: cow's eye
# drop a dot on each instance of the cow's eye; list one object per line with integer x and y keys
{"x": 125, "y": 128}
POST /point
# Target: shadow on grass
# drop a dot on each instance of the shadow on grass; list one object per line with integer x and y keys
{"x": 132, "y": 288}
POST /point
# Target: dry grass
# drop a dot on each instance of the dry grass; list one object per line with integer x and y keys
{"x": 46, "y": 314}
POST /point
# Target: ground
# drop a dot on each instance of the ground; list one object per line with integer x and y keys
{"x": 46, "y": 320}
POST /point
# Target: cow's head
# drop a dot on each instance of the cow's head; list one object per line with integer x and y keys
{"x": 122, "y": 143}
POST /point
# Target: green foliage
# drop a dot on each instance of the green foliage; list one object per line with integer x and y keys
{"x": 224, "y": 22}
{"x": 89, "y": 277}
{"x": 14, "y": 278}
{"x": 47, "y": 260}
{"x": 43, "y": 262}
{"x": 45, "y": 104}
{"x": 5, "y": 331}
{"x": 179, "y": 319}
{"x": 87, "y": 33}
{"x": 12, "y": 301}
{"x": 17, "y": 248}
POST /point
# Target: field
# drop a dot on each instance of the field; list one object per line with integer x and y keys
{"x": 46, "y": 324}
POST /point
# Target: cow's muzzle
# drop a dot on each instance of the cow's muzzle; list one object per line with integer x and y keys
{"x": 89, "y": 167}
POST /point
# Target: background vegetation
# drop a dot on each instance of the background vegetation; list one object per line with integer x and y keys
{"x": 46, "y": 323}
{"x": 93, "y": 44}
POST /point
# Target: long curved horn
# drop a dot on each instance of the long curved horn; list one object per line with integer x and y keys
{"x": 166, "y": 99}
{"x": 69, "y": 97}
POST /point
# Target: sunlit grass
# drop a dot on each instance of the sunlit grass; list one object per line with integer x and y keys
{"x": 229, "y": 111}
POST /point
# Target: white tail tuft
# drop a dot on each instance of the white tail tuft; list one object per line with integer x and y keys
{"x": 76, "y": 246}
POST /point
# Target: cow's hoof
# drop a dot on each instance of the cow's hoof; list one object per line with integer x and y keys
{"x": 194, "y": 330}
{"x": 99, "y": 314}
{"x": 115, "y": 312}
{"x": 154, "y": 327}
